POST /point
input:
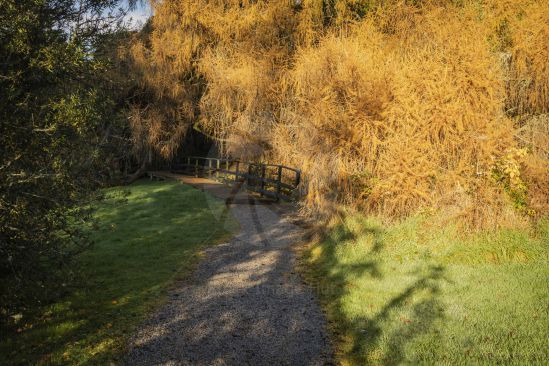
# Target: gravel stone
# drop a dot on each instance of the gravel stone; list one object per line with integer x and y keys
{"x": 244, "y": 304}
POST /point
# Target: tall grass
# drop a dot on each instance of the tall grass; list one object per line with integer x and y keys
{"x": 390, "y": 106}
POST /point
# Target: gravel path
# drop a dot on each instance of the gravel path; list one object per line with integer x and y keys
{"x": 244, "y": 306}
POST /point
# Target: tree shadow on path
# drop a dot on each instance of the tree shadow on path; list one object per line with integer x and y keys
{"x": 244, "y": 305}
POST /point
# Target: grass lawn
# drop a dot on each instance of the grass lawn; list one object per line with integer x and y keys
{"x": 413, "y": 294}
{"x": 142, "y": 247}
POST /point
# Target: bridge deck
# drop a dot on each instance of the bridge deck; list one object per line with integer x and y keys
{"x": 235, "y": 194}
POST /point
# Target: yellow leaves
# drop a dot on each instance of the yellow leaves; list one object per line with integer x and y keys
{"x": 414, "y": 94}
{"x": 511, "y": 166}
{"x": 528, "y": 91}
{"x": 416, "y": 106}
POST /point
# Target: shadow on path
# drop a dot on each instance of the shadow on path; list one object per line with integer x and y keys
{"x": 245, "y": 305}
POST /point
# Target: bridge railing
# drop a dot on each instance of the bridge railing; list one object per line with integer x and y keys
{"x": 270, "y": 180}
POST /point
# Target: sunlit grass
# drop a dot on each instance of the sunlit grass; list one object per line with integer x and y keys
{"x": 145, "y": 241}
{"x": 415, "y": 294}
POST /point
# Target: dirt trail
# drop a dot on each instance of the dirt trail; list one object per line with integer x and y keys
{"x": 245, "y": 304}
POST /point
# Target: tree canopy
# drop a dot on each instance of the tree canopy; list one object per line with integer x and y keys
{"x": 58, "y": 118}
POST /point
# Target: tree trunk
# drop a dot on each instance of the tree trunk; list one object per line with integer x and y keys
{"x": 139, "y": 173}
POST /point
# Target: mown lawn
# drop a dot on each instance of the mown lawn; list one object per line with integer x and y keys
{"x": 144, "y": 243}
{"x": 414, "y": 294}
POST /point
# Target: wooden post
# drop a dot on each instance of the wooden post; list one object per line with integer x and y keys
{"x": 297, "y": 178}
{"x": 217, "y": 162}
{"x": 210, "y": 167}
{"x": 262, "y": 179}
{"x": 249, "y": 175}
{"x": 236, "y": 173}
{"x": 196, "y": 168}
{"x": 227, "y": 169}
{"x": 278, "y": 181}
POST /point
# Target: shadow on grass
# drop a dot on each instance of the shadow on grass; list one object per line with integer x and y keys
{"x": 381, "y": 338}
{"x": 140, "y": 248}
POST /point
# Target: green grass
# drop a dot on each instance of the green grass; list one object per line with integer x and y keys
{"x": 409, "y": 293}
{"x": 143, "y": 245}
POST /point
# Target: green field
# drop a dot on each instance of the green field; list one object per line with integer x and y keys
{"x": 150, "y": 235}
{"x": 410, "y": 293}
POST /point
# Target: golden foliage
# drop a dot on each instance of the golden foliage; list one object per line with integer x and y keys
{"x": 391, "y": 106}
{"x": 404, "y": 119}
{"x": 529, "y": 46}
{"x": 534, "y": 136}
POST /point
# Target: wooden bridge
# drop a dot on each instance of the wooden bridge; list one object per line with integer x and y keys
{"x": 270, "y": 180}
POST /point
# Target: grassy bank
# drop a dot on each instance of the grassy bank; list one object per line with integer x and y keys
{"x": 148, "y": 237}
{"x": 414, "y": 294}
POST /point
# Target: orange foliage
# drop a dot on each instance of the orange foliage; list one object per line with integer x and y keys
{"x": 390, "y": 106}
